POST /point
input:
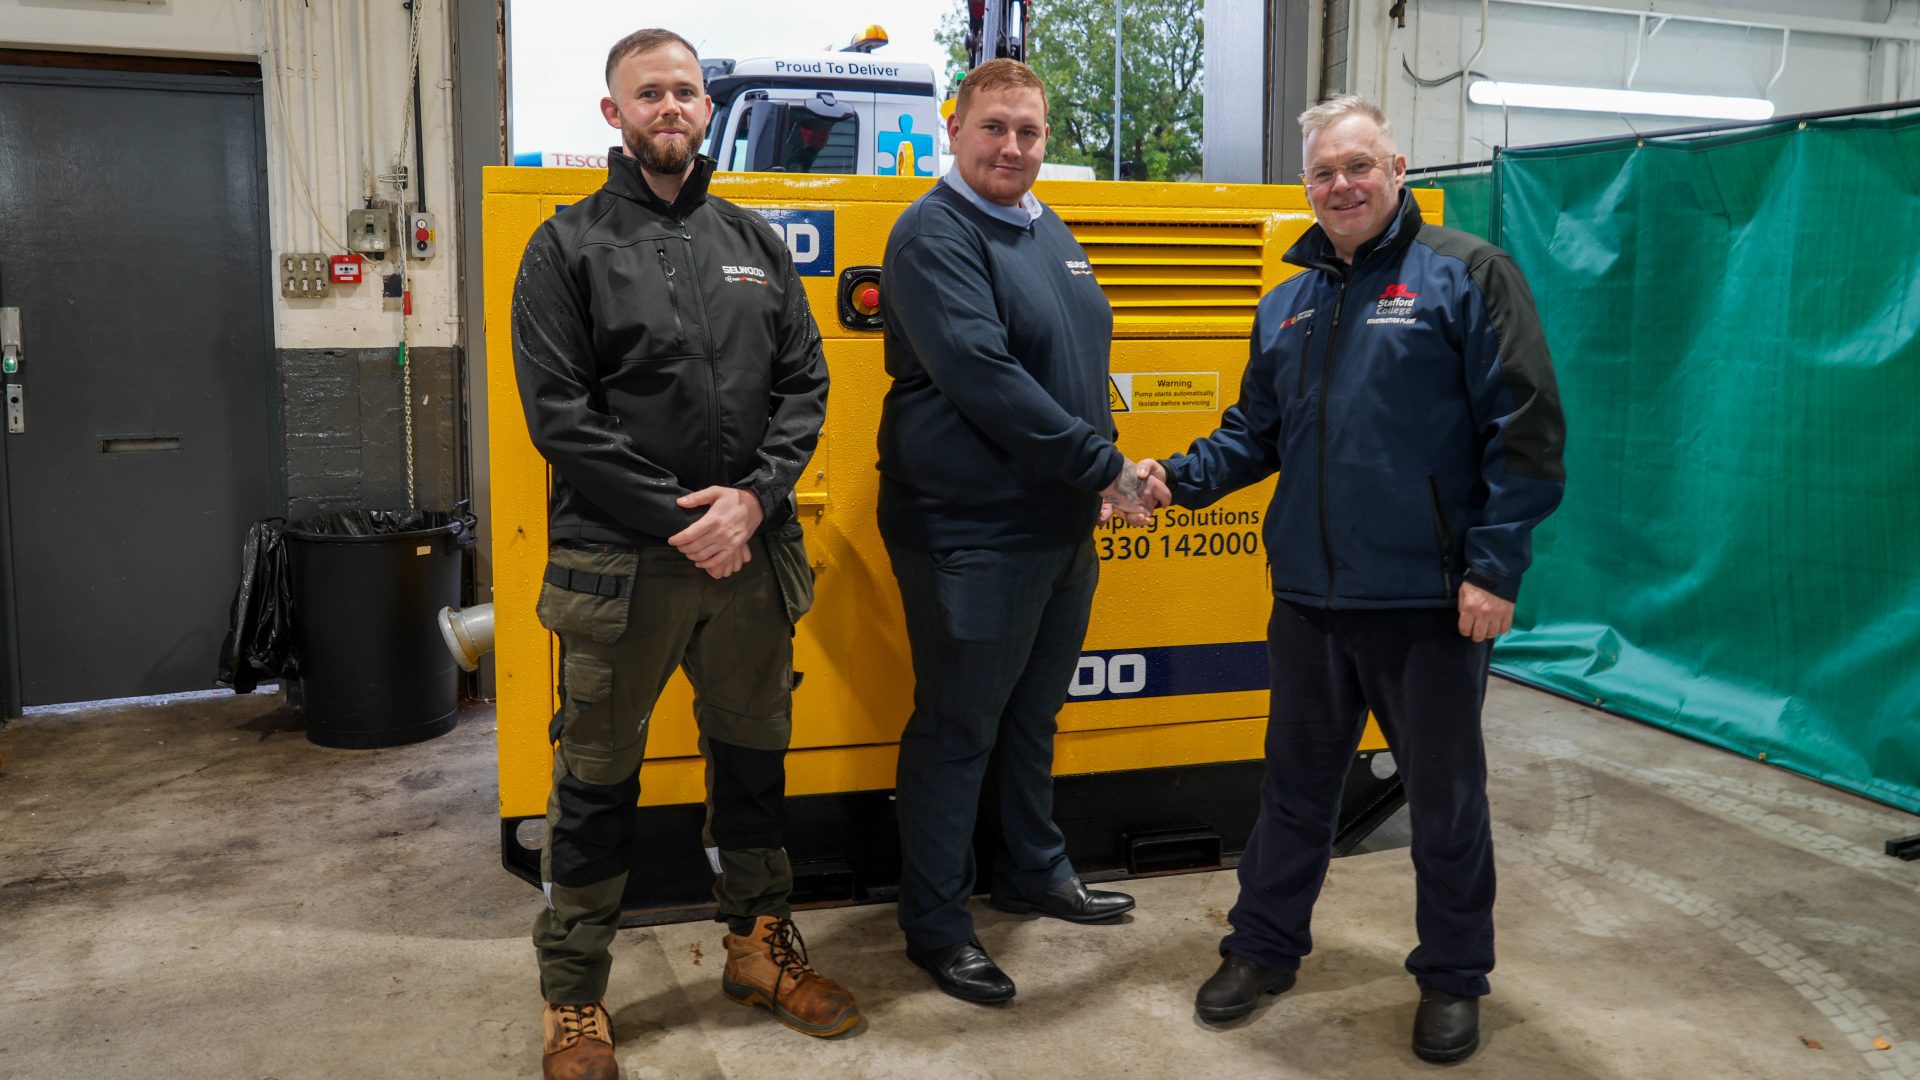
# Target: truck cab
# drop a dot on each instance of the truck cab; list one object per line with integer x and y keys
{"x": 847, "y": 113}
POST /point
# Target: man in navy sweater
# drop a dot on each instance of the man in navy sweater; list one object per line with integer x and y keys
{"x": 996, "y": 453}
{"x": 1401, "y": 387}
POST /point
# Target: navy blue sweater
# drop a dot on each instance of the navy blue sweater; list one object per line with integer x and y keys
{"x": 996, "y": 430}
{"x": 1409, "y": 404}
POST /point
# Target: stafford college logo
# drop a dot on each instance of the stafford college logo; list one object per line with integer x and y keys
{"x": 1394, "y": 306}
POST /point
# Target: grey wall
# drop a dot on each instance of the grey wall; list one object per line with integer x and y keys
{"x": 342, "y": 412}
{"x": 1838, "y": 54}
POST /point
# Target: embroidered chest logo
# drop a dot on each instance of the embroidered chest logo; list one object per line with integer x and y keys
{"x": 1395, "y": 306}
{"x": 751, "y": 275}
{"x": 1079, "y": 268}
{"x": 1397, "y": 300}
{"x": 1297, "y": 317}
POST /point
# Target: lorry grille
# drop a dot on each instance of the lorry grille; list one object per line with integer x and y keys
{"x": 1178, "y": 279}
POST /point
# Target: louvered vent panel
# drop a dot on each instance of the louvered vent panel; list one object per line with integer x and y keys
{"x": 1180, "y": 279}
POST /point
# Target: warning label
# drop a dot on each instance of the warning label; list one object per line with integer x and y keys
{"x": 1164, "y": 391}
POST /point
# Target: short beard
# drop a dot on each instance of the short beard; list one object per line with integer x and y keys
{"x": 672, "y": 160}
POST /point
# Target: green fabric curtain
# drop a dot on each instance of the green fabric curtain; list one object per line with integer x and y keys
{"x": 1469, "y": 200}
{"x": 1733, "y": 320}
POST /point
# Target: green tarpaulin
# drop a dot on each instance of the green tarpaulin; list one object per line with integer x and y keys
{"x": 1469, "y": 200}
{"x": 1733, "y": 320}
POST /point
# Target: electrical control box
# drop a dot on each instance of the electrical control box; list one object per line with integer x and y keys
{"x": 303, "y": 275}
{"x": 423, "y": 235}
{"x": 370, "y": 230}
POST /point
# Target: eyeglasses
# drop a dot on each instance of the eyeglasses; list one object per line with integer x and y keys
{"x": 1357, "y": 171}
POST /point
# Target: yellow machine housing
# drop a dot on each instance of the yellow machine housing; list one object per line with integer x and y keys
{"x": 1159, "y": 748}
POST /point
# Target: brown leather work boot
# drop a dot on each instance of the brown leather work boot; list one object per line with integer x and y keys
{"x": 577, "y": 1043}
{"x": 769, "y": 967}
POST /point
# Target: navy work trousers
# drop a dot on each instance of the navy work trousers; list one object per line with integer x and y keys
{"x": 1426, "y": 684}
{"x": 996, "y": 636}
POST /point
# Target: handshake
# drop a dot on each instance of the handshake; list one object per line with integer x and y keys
{"x": 1139, "y": 490}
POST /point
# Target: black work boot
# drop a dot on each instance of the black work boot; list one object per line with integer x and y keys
{"x": 1235, "y": 988}
{"x": 1446, "y": 1028}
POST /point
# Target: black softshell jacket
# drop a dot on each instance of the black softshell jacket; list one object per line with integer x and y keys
{"x": 660, "y": 350}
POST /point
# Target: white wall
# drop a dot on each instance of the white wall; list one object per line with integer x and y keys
{"x": 336, "y": 76}
{"x": 1829, "y": 63}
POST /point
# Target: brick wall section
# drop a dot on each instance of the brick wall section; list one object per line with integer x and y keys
{"x": 341, "y": 413}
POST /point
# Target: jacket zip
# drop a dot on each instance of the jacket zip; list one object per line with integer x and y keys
{"x": 713, "y": 367}
{"x": 1326, "y": 371}
{"x": 1443, "y": 534}
{"x": 673, "y": 296}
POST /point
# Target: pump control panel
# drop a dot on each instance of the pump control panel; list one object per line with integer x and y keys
{"x": 423, "y": 235}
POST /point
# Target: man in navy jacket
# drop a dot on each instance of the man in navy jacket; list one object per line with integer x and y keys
{"x": 1402, "y": 389}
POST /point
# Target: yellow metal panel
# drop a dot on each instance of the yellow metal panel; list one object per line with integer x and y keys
{"x": 671, "y": 781}
{"x": 1194, "y": 578}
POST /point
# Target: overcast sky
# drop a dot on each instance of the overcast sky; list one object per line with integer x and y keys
{"x": 558, "y": 49}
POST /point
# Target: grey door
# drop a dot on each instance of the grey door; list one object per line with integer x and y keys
{"x": 132, "y": 241}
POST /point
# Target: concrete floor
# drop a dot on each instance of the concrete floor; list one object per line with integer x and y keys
{"x": 193, "y": 890}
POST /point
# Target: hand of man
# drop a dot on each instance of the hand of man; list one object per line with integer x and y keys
{"x": 1127, "y": 496}
{"x": 1483, "y": 616}
{"x": 1154, "y": 475}
{"x": 717, "y": 543}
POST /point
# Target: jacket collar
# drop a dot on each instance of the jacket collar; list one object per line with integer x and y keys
{"x": 625, "y": 179}
{"x": 1314, "y": 251}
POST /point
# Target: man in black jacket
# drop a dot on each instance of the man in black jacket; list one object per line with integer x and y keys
{"x": 671, "y": 373}
{"x": 996, "y": 448}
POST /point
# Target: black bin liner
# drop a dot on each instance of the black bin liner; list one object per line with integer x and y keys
{"x": 367, "y": 586}
{"x": 259, "y": 644}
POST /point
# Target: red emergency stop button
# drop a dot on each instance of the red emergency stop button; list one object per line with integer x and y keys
{"x": 858, "y": 298}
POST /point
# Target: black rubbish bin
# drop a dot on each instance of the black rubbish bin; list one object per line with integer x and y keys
{"x": 367, "y": 588}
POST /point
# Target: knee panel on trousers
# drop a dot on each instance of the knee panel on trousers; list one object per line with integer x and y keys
{"x": 593, "y": 838}
{"x": 748, "y": 796}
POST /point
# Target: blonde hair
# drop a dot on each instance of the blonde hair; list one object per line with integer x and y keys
{"x": 999, "y": 74}
{"x": 1332, "y": 109}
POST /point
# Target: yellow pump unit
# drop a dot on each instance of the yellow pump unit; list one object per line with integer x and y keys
{"x": 1159, "y": 749}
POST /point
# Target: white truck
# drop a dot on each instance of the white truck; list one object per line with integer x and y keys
{"x": 845, "y": 112}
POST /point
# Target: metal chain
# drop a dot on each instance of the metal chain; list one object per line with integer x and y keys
{"x": 406, "y": 388}
{"x": 399, "y": 158}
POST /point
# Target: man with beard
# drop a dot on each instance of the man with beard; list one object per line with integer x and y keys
{"x": 672, "y": 375}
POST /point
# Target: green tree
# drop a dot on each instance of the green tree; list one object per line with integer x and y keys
{"x": 1070, "y": 46}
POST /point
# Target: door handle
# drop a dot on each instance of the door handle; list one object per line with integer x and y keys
{"x": 11, "y": 351}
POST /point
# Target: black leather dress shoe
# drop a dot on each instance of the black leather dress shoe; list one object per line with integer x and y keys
{"x": 965, "y": 971}
{"x": 1072, "y": 901}
{"x": 1235, "y": 988}
{"x": 1446, "y": 1028}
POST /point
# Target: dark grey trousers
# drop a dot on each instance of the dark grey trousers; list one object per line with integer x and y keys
{"x": 996, "y": 636}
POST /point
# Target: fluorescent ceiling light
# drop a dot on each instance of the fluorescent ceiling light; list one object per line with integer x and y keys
{"x": 1635, "y": 102}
